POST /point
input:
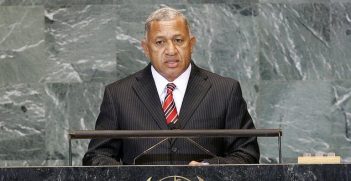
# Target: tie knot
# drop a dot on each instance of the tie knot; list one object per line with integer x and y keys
{"x": 170, "y": 87}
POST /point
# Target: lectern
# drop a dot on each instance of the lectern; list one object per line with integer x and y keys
{"x": 167, "y": 134}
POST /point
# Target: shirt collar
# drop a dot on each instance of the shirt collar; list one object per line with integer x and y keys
{"x": 181, "y": 82}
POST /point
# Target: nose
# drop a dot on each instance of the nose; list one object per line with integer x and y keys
{"x": 170, "y": 48}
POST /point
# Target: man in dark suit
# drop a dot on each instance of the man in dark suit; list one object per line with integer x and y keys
{"x": 172, "y": 92}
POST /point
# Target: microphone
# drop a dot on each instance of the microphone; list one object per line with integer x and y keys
{"x": 197, "y": 145}
{"x": 176, "y": 125}
{"x": 149, "y": 149}
{"x": 173, "y": 126}
{"x": 203, "y": 148}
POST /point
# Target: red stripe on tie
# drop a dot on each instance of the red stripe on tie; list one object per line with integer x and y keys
{"x": 169, "y": 106}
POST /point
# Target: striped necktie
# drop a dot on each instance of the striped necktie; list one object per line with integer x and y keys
{"x": 169, "y": 107}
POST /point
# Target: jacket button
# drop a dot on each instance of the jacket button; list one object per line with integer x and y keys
{"x": 174, "y": 149}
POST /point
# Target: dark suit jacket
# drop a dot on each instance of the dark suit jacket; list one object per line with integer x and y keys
{"x": 210, "y": 102}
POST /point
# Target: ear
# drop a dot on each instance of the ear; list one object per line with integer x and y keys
{"x": 145, "y": 48}
{"x": 192, "y": 43}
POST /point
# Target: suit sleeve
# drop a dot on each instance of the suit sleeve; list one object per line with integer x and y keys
{"x": 240, "y": 150}
{"x": 104, "y": 151}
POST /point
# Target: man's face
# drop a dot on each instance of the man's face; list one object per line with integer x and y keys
{"x": 168, "y": 46}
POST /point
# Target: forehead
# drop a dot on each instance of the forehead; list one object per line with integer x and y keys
{"x": 168, "y": 27}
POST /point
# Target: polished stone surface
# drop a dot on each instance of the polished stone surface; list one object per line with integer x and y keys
{"x": 292, "y": 58}
{"x": 149, "y": 173}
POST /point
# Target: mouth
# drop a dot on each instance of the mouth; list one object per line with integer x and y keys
{"x": 172, "y": 63}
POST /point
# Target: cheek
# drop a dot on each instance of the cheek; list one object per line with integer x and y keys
{"x": 157, "y": 52}
{"x": 184, "y": 52}
{"x": 157, "y": 58}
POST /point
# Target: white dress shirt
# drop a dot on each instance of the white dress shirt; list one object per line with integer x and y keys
{"x": 181, "y": 83}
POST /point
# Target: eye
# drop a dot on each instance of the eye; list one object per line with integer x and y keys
{"x": 159, "y": 42}
{"x": 178, "y": 40}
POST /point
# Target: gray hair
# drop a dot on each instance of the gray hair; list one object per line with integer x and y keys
{"x": 164, "y": 14}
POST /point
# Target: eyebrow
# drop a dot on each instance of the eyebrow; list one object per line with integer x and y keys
{"x": 161, "y": 36}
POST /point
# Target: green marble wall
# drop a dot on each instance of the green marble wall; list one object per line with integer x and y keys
{"x": 291, "y": 57}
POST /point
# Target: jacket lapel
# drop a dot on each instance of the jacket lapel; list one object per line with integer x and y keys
{"x": 197, "y": 88}
{"x": 146, "y": 90}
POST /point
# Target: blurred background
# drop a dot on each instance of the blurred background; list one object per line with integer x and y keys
{"x": 292, "y": 57}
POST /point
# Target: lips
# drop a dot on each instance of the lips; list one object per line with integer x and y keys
{"x": 171, "y": 63}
